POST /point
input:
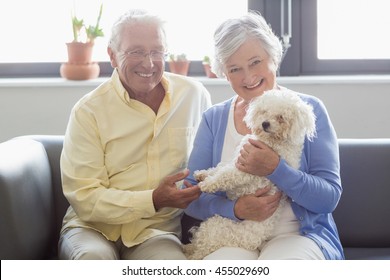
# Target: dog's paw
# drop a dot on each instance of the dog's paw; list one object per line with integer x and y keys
{"x": 208, "y": 186}
{"x": 203, "y": 186}
{"x": 200, "y": 175}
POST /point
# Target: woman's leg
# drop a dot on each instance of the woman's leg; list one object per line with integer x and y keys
{"x": 233, "y": 253}
{"x": 291, "y": 247}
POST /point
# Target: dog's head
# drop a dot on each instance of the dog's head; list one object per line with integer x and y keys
{"x": 281, "y": 115}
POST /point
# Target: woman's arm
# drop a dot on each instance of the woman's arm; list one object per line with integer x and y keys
{"x": 206, "y": 153}
{"x": 316, "y": 186}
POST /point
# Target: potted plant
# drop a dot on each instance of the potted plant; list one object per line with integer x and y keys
{"x": 207, "y": 67}
{"x": 80, "y": 65}
{"x": 179, "y": 64}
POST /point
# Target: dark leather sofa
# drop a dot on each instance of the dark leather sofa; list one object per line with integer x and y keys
{"x": 32, "y": 204}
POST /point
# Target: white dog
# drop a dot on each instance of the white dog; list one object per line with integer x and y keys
{"x": 280, "y": 119}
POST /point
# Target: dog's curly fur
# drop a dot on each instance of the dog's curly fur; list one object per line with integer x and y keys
{"x": 280, "y": 119}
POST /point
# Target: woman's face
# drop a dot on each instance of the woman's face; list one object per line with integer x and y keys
{"x": 139, "y": 75}
{"x": 250, "y": 70}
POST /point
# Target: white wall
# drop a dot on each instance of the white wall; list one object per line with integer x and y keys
{"x": 358, "y": 106}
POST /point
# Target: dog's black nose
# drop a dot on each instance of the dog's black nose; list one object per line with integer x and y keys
{"x": 265, "y": 125}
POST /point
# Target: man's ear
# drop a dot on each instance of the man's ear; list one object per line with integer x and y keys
{"x": 112, "y": 56}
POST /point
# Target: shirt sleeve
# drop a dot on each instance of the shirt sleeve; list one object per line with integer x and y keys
{"x": 86, "y": 184}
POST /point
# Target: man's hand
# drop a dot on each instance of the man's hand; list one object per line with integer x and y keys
{"x": 258, "y": 206}
{"x": 168, "y": 195}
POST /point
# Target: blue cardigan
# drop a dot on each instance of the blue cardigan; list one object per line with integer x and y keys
{"x": 314, "y": 189}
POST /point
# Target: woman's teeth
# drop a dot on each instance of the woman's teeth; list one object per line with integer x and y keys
{"x": 255, "y": 85}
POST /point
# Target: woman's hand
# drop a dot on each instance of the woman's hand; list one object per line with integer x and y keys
{"x": 258, "y": 206}
{"x": 257, "y": 158}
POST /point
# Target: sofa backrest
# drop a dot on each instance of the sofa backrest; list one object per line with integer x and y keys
{"x": 361, "y": 215}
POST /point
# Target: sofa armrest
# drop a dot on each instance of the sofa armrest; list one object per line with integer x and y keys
{"x": 26, "y": 200}
{"x": 53, "y": 145}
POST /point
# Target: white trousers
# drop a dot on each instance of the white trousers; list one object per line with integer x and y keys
{"x": 285, "y": 244}
{"x": 282, "y": 247}
{"x": 88, "y": 244}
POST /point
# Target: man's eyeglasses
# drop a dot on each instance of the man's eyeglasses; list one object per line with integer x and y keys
{"x": 140, "y": 55}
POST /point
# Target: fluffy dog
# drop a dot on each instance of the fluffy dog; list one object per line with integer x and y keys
{"x": 280, "y": 119}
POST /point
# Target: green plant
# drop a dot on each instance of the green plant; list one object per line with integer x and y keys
{"x": 178, "y": 57}
{"x": 207, "y": 67}
{"x": 77, "y": 25}
{"x": 206, "y": 60}
{"x": 91, "y": 31}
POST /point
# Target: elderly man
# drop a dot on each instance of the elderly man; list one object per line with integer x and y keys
{"x": 126, "y": 150}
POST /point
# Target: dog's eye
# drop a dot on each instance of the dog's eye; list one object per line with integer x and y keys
{"x": 280, "y": 118}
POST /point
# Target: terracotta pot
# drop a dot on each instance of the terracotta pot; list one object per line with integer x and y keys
{"x": 179, "y": 67}
{"x": 79, "y": 65}
{"x": 72, "y": 71}
{"x": 209, "y": 73}
{"x": 79, "y": 53}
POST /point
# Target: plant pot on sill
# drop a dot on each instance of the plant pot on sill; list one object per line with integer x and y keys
{"x": 207, "y": 70}
{"x": 79, "y": 65}
{"x": 179, "y": 67}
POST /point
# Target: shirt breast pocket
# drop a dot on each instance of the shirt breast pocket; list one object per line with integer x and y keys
{"x": 180, "y": 145}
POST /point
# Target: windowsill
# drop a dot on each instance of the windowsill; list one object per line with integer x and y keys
{"x": 60, "y": 82}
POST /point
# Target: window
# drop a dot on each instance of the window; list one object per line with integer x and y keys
{"x": 36, "y": 31}
{"x": 358, "y": 30}
{"x": 345, "y": 37}
{"x": 328, "y": 36}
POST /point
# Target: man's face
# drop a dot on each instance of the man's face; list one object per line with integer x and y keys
{"x": 139, "y": 71}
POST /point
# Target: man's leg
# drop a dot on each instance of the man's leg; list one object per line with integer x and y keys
{"x": 86, "y": 244}
{"x": 162, "y": 247}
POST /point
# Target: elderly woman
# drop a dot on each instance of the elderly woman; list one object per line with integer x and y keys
{"x": 248, "y": 54}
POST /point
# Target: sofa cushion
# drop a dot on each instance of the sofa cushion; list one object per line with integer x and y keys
{"x": 26, "y": 200}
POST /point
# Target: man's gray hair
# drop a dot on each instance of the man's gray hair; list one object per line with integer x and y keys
{"x": 130, "y": 17}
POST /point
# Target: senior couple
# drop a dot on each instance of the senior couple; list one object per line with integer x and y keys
{"x": 131, "y": 141}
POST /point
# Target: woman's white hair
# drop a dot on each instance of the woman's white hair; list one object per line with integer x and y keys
{"x": 131, "y": 17}
{"x": 232, "y": 33}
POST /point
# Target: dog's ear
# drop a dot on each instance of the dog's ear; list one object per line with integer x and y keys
{"x": 303, "y": 123}
{"x": 253, "y": 114}
{"x": 308, "y": 120}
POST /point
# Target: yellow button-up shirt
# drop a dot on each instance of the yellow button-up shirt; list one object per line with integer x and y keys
{"x": 116, "y": 151}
